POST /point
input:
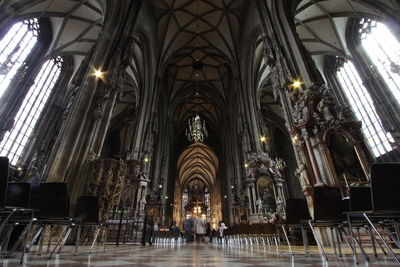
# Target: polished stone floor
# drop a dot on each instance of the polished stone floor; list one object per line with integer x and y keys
{"x": 193, "y": 255}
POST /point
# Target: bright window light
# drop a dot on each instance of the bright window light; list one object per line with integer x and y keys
{"x": 384, "y": 51}
{"x": 15, "y": 48}
{"x": 360, "y": 101}
{"x": 15, "y": 140}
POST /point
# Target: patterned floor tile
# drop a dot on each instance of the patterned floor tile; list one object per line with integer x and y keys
{"x": 199, "y": 255}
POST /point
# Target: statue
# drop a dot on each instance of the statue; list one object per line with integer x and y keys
{"x": 142, "y": 177}
{"x": 301, "y": 173}
{"x": 279, "y": 206}
{"x": 324, "y": 108}
{"x": 346, "y": 114}
{"x": 142, "y": 204}
{"x": 259, "y": 205}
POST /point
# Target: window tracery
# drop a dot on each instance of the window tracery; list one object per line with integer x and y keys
{"x": 15, "y": 47}
{"x": 29, "y": 112}
{"x": 382, "y": 47}
{"x": 361, "y": 102}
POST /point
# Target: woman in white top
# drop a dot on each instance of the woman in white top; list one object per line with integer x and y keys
{"x": 221, "y": 229}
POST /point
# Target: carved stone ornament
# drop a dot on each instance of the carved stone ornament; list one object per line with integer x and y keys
{"x": 242, "y": 200}
{"x": 316, "y": 108}
{"x": 302, "y": 175}
{"x": 261, "y": 163}
{"x": 258, "y": 163}
{"x": 154, "y": 197}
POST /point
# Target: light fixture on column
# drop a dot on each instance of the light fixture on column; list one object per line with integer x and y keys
{"x": 296, "y": 84}
{"x": 263, "y": 139}
{"x": 98, "y": 74}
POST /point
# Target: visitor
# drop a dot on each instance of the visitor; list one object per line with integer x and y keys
{"x": 221, "y": 229}
{"x": 208, "y": 232}
{"x": 200, "y": 228}
{"x": 175, "y": 231}
{"x": 188, "y": 227}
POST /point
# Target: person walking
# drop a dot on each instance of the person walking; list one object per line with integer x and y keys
{"x": 188, "y": 227}
{"x": 200, "y": 228}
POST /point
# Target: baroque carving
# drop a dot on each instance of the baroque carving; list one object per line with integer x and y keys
{"x": 242, "y": 199}
{"x": 261, "y": 163}
{"x": 106, "y": 179}
{"x": 316, "y": 108}
{"x": 258, "y": 163}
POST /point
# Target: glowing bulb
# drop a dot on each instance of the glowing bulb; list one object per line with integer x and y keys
{"x": 146, "y": 160}
{"x": 98, "y": 73}
{"x": 166, "y": 197}
{"x": 225, "y": 196}
{"x": 160, "y": 186}
{"x": 296, "y": 84}
{"x": 246, "y": 165}
{"x": 263, "y": 139}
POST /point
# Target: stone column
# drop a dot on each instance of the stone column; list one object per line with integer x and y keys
{"x": 311, "y": 155}
{"x": 70, "y": 152}
{"x": 13, "y": 98}
{"x": 102, "y": 116}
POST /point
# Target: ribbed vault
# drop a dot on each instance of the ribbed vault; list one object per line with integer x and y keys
{"x": 322, "y": 24}
{"x": 197, "y": 162}
{"x": 128, "y": 98}
{"x": 76, "y": 23}
{"x": 198, "y": 47}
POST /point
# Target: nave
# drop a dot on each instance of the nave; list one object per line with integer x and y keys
{"x": 195, "y": 254}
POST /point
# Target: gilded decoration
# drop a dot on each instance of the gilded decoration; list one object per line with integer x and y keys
{"x": 106, "y": 180}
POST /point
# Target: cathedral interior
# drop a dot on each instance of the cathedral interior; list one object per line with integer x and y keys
{"x": 224, "y": 111}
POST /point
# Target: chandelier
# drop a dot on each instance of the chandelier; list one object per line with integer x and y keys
{"x": 196, "y": 130}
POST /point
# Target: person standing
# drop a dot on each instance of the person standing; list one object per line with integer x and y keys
{"x": 188, "y": 226}
{"x": 221, "y": 229}
{"x": 200, "y": 227}
{"x": 175, "y": 231}
{"x": 208, "y": 232}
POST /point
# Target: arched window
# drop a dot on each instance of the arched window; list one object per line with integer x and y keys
{"x": 28, "y": 114}
{"x": 15, "y": 48}
{"x": 362, "y": 105}
{"x": 383, "y": 49}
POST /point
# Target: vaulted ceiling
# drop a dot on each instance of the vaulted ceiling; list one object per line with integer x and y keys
{"x": 76, "y": 23}
{"x": 322, "y": 24}
{"x": 197, "y": 161}
{"x": 198, "y": 47}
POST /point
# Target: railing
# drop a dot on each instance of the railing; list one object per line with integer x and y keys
{"x": 124, "y": 226}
